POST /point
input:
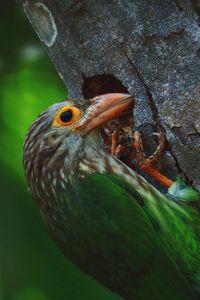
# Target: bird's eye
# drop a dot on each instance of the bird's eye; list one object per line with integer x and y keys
{"x": 67, "y": 115}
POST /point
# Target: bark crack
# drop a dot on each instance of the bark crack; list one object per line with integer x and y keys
{"x": 177, "y": 165}
{"x": 156, "y": 120}
{"x": 196, "y": 6}
{"x": 178, "y": 6}
{"x": 196, "y": 130}
{"x": 73, "y": 5}
{"x": 152, "y": 105}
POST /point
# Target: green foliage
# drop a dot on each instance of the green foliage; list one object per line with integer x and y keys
{"x": 1, "y": 289}
{"x": 27, "y": 90}
{"x": 29, "y": 293}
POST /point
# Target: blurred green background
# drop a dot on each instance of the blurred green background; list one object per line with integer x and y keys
{"x": 31, "y": 267}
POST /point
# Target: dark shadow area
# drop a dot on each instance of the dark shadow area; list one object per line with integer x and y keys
{"x": 102, "y": 84}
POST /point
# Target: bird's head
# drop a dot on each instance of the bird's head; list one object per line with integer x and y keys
{"x": 64, "y": 132}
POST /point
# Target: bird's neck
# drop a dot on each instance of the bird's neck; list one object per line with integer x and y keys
{"x": 94, "y": 156}
{"x": 96, "y": 159}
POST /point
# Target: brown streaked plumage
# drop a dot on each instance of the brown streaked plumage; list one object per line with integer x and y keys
{"x": 107, "y": 219}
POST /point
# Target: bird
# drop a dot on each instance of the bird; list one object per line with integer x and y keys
{"x": 105, "y": 218}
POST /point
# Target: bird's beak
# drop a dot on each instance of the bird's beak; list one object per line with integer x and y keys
{"x": 104, "y": 108}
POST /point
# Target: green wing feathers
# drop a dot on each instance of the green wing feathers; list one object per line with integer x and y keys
{"x": 147, "y": 242}
{"x": 180, "y": 191}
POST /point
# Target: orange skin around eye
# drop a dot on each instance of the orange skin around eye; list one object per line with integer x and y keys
{"x": 76, "y": 115}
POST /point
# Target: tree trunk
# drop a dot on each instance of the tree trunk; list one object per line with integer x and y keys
{"x": 150, "y": 48}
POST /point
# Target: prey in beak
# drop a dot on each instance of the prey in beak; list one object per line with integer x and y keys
{"x": 112, "y": 106}
{"x": 104, "y": 108}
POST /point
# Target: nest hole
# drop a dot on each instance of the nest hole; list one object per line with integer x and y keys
{"x": 102, "y": 84}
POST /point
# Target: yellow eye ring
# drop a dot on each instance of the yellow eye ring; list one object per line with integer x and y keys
{"x": 67, "y": 115}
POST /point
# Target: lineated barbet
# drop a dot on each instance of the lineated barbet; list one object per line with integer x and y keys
{"x": 107, "y": 219}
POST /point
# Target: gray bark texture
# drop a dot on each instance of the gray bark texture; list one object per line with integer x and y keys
{"x": 149, "y": 48}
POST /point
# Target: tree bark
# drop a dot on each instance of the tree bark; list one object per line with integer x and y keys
{"x": 150, "y": 48}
